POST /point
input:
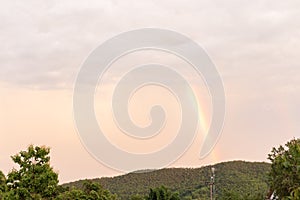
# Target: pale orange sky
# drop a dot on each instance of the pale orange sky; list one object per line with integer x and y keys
{"x": 255, "y": 46}
{"x": 45, "y": 118}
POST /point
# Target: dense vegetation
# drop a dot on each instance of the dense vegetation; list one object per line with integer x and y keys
{"x": 35, "y": 179}
{"x": 285, "y": 170}
{"x": 244, "y": 180}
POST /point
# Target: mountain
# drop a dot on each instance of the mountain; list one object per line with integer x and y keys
{"x": 244, "y": 180}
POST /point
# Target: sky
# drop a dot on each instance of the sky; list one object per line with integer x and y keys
{"x": 255, "y": 46}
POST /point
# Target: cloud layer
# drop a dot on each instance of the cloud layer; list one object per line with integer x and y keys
{"x": 44, "y": 43}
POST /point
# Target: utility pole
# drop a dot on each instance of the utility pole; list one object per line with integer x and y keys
{"x": 212, "y": 183}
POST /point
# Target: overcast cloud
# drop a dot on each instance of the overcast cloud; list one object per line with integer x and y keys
{"x": 44, "y": 43}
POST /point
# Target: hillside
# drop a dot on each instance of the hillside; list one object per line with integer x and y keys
{"x": 248, "y": 180}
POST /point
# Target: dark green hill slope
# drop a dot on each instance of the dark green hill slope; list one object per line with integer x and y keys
{"x": 244, "y": 180}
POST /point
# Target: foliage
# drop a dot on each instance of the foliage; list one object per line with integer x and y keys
{"x": 2, "y": 182}
{"x": 234, "y": 195}
{"x": 240, "y": 177}
{"x": 90, "y": 190}
{"x": 295, "y": 194}
{"x": 35, "y": 179}
{"x": 3, "y": 187}
{"x": 285, "y": 169}
{"x": 137, "y": 197}
{"x": 158, "y": 193}
{"x": 162, "y": 193}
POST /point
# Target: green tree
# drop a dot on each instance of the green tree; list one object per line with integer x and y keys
{"x": 2, "y": 184}
{"x": 90, "y": 191}
{"x": 72, "y": 194}
{"x": 35, "y": 178}
{"x": 235, "y": 195}
{"x": 162, "y": 193}
{"x": 285, "y": 169}
{"x": 230, "y": 195}
{"x": 137, "y": 197}
{"x": 295, "y": 194}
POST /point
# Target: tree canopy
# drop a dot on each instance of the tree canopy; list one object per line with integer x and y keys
{"x": 162, "y": 193}
{"x": 238, "y": 177}
{"x": 35, "y": 178}
{"x": 285, "y": 170}
{"x": 90, "y": 190}
{"x": 2, "y": 184}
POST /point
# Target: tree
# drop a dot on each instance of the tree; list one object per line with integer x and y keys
{"x": 2, "y": 184}
{"x": 35, "y": 178}
{"x": 137, "y": 197}
{"x": 285, "y": 169}
{"x": 235, "y": 195}
{"x": 162, "y": 193}
{"x": 91, "y": 191}
{"x": 295, "y": 194}
{"x": 72, "y": 194}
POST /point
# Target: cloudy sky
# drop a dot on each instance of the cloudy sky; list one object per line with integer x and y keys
{"x": 254, "y": 44}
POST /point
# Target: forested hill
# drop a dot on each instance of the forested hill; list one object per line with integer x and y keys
{"x": 245, "y": 180}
